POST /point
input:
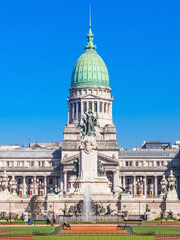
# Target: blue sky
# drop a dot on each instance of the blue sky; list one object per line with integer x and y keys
{"x": 40, "y": 42}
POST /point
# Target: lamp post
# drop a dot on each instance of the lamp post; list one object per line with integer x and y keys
{"x": 139, "y": 211}
{"x": 40, "y": 185}
{"x": 31, "y": 187}
{"x": 34, "y": 186}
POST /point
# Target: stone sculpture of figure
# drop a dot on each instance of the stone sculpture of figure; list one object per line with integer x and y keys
{"x": 99, "y": 209}
{"x": 64, "y": 210}
{"x": 71, "y": 209}
{"x": 101, "y": 169}
{"x": 87, "y": 128}
{"x": 80, "y": 207}
{"x": 170, "y": 215}
{"x": 147, "y": 208}
{"x": 163, "y": 185}
{"x": 76, "y": 168}
{"x": 109, "y": 210}
{"x": 4, "y": 181}
{"x": 171, "y": 182}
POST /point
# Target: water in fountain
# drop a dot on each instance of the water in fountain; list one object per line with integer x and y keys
{"x": 87, "y": 211}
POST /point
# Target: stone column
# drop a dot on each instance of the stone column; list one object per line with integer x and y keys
{"x": 35, "y": 185}
{"x": 145, "y": 186}
{"x": 123, "y": 181}
{"x": 155, "y": 185}
{"x": 65, "y": 181}
{"x": 77, "y": 113}
{"x": 115, "y": 180}
{"x": 72, "y": 111}
{"x": 45, "y": 185}
{"x": 92, "y": 106}
{"x": 55, "y": 183}
{"x": 24, "y": 185}
{"x": 59, "y": 182}
{"x": 68, "y": 111}
{"x": 134, "y": 184}
{"x": 120, "y": 182}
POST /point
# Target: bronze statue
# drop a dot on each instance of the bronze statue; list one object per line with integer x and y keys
{"x": 76, "y": 168}
{"x": 89, "y": 122}
{"x": 100, "y": 168}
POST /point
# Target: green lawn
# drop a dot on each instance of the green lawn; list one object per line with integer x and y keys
{"x": 95, "y": 237}
{"x": 164, "y": 230}
{"x": 27, "y": 230}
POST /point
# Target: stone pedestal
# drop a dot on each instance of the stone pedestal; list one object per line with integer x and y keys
{"x": 88, "y": 170}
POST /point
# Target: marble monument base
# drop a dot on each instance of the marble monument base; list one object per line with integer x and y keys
{"x": 98, "y": 185}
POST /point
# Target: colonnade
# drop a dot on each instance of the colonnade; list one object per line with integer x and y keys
{"x": 77, "y": 108}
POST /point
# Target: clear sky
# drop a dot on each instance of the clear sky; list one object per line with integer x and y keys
{"x": 40, "y": 41}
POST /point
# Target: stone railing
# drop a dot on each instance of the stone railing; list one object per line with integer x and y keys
{"x": 149, "y": 153}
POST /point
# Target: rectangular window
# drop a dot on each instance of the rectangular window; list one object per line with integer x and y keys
{"x": 130, "y": 163}
{"x": 7, "y": 163}
{"x": 19, "y": 181}
{"x": 105, "y": 107}
{"x": 74, "y": 110}
{"x": 126, "y": 164}
{"x": 39, "y": 163}
{"x": 108, "y": 107}
{"x": 158, "y": 164}
{"x": 50, "y": 181}
{"x": 71, "y": 110}
{"x": 128, "y": 181}
{"x": 136, "y": 164}
{"x": 79, "y": 108}
{"x": 32, "y": 163}
{"x": 84, "y": 107}
{"x": 149, "y": 181}
{"x": 101, "y": 105}
{"x": 95, "y": 107}
{"x": 90, "y": 106}
{"x": 43, "y": 163}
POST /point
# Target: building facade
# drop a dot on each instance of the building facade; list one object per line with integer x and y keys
{"x": 48, "y": 177}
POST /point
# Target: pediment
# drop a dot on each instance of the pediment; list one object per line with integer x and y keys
{"x": 104, "y": 158}
{"x": 90, "y": 96}
{"x": 107, "y": 159}
{"x": 70, "y": 160}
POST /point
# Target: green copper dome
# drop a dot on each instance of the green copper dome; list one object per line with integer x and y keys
{"x": 90, "y": 70}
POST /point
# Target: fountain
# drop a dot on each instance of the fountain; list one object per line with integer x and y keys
{"x": 87, "y": 204}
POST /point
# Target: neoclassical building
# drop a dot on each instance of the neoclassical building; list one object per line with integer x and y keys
{"x": 91, "y": 157}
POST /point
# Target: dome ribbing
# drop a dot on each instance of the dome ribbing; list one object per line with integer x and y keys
{"x": 90, "y": 69}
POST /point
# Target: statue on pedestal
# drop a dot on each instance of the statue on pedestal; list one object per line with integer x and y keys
{"x": 171, "y": 182}
{"x": 13, "y": 186}
{"x": 172, "y": 193}
{"x": 163, "y": 186}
